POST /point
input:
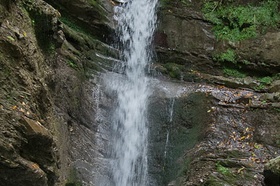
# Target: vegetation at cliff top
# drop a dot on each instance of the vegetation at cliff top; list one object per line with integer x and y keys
{"x": 239, "y": 22}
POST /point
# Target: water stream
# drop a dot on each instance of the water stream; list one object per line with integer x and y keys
{"x": 136, "y": 24}
{"x": 170, "y": 111}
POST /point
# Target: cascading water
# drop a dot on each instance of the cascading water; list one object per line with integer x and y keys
{"x": 136, "y": 24}
{"x": 170, "y": 111}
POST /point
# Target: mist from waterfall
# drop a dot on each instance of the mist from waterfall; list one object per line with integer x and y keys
{"x": 135, "y": 26}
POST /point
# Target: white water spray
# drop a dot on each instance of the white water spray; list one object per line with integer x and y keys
{"x": 136, "y": 22}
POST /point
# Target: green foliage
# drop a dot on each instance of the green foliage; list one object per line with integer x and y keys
{"x": 233, "y": 73}
{"x": 245, "y": 62}
{"x": 164, "y": 2}
{"x": 77, "y": 30}
{"x": 71, "y": 23}
{"x": 266, "y": 80}
{"x": 71, "y": 64}
{"x": 93, "y": 2}
{"x": 228, "y": 56}
{"x": 223, "y": 170}
{"x": 235, "y": 23}
{"x": 50, "y": 48}
{"x": 260, "y": 87}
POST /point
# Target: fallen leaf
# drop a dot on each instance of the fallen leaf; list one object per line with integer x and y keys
{"x": 240, "y": 170}
{"x": 257, "y": 146}
{"x": 242, "y": 138}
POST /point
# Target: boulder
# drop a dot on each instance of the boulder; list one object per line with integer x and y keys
{"x": 272, "y": 172}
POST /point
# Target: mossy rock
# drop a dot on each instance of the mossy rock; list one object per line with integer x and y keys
{"x": 274, "y": 166}
{"x": 174, "y": 70}
{"x": 73, "y": 179}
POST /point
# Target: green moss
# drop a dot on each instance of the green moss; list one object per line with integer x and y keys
{"x": 73, "y": 179}
{"x": 236, "y": 22}
{"x": 233, "y": 73}
{"x": 245, "y": 62}
{"x": 93, "y": 2}
{"x": 73, "y": 25}
{"x": 164, "y": 3}
{"x": 72, "y": 64}
{"x": 192, "y": 115}
{"x": 227, "y": 56}
{"x": 174, "y": 70}
{"x": 266, "y": 80}
{"x": 76, "y": 33}
{"x": 223, "y": 170}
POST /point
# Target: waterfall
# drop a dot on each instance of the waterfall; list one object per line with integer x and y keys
{"x": 135, "y": 24}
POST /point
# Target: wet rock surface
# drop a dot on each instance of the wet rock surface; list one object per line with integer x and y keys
{"x": 211, "y": 135}
{"x": 54, "y": 114}
{"x": 46, "y": 101}
{"x": 243, "y": 129}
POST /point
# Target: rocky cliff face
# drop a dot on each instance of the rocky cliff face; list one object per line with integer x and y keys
{"x": 235, "y": 145}
{"x": 28, "y": 154}
{"x": 186, "y": 37}
{"x": 51, "y": 55}
{"x": 47, "y": 85}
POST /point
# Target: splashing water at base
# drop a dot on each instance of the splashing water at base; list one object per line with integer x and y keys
{"x": 136, "y": 24}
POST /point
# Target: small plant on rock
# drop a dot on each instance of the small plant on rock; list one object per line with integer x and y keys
{"x": 227, "y": 56}
{"x": 223, "y": 170}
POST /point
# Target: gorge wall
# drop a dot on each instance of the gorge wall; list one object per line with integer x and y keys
{"x": 48, "y": 66}
{"x": 225, "y": 124}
